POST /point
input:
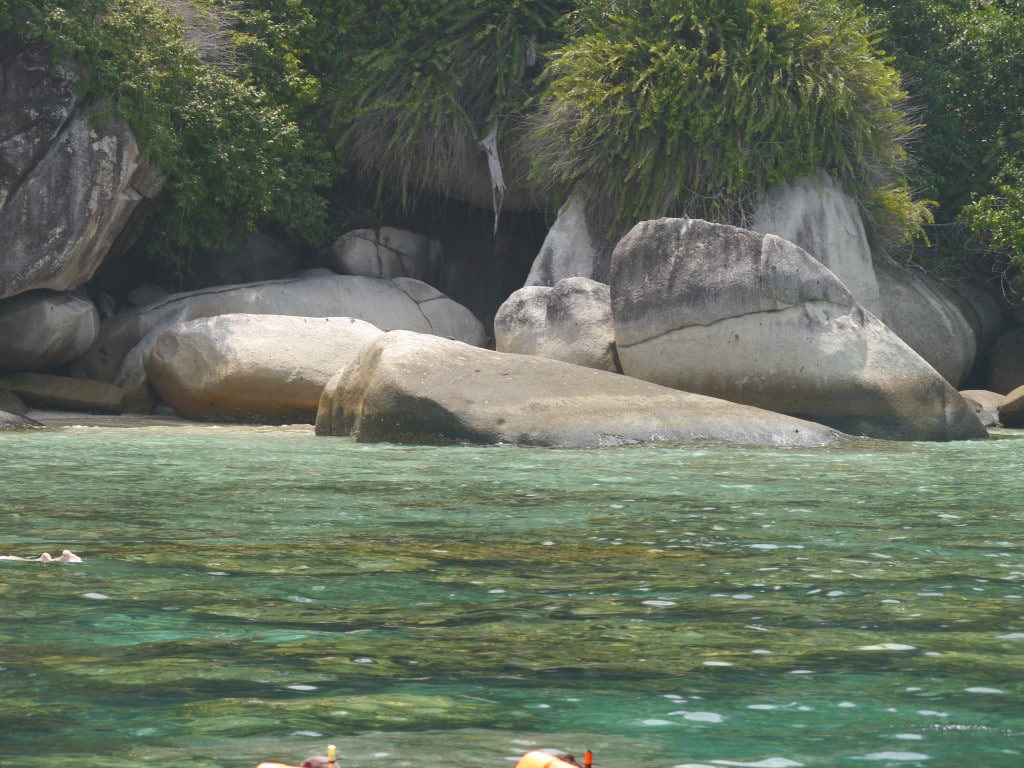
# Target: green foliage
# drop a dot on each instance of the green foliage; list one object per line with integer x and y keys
{"x": 425, "y": 80}
{"x": 650, "y": 107}
{"x": 225, "y": 138}
{"x": 273, "y": 39}
{"x": 666, "y": 107}
{"x": 963, "y": 61}
{"x": 998, "y": 220}
{"x": 14, "y": 13}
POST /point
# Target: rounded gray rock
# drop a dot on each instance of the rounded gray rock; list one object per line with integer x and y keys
{"x": 754, "y": 319}
{"x": 43, "y": 329}
{"x": 409, "y": 387}
{"x": 1006, "y": 362}
{"x": 571, "y": 322}
{"x": 929, "y": 318}
{"x": 265, "y": 369}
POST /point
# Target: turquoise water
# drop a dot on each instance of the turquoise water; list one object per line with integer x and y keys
{"x": 252, "y": 594}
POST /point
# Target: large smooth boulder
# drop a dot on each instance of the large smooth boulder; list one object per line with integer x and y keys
{"x": 385, "y": 254}
{"x": 407, "y": 387}
{"x": 984, "y": 309}
{"x": 1011, "y": 409}
{"x": 930, "y": 318}
{"x": 570, "y": 248}
{"x": 1006, "y": 362}
{"x": 816, "y": 214}
{"x": 266, "y": 369}
{"x": 67, "y": 186}
{"x": 117, "y": 355}
{"x": 444, "y": 317}
{"x": 985, "y": 404}
{"x": 753, "y": 318}
{"x": 43, "y": 329}
{"x": 42, "y": 390}
{"x": 571, "y": 322}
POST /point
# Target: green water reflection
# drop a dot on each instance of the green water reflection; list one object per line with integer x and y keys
{"x": 256, "y": 593}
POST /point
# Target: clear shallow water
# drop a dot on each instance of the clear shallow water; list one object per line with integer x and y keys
{"x": 254, "y": 594}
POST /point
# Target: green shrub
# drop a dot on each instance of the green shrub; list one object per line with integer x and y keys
{"x": 662, "y": 107}
{"x": 230, "y": 148}
{"x": 998, "y": 220}
{"x": 427, "y": 80}
{"x": 963, "y": 61}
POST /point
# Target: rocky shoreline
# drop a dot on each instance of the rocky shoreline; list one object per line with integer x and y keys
{"x": 786, "y": 333}
{"x": 703, "y": 332}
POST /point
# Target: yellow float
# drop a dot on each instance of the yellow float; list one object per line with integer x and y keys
{"x": 538, "y": 759}
{"x": 534, "y": 759}
{"x": 318, "y": 761}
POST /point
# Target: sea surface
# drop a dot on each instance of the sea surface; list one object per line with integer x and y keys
{"x": 255, "y": 594}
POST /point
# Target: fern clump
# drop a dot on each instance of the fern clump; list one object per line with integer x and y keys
{"x": 662, "y": 107}
{"x": 414, "y": 106}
